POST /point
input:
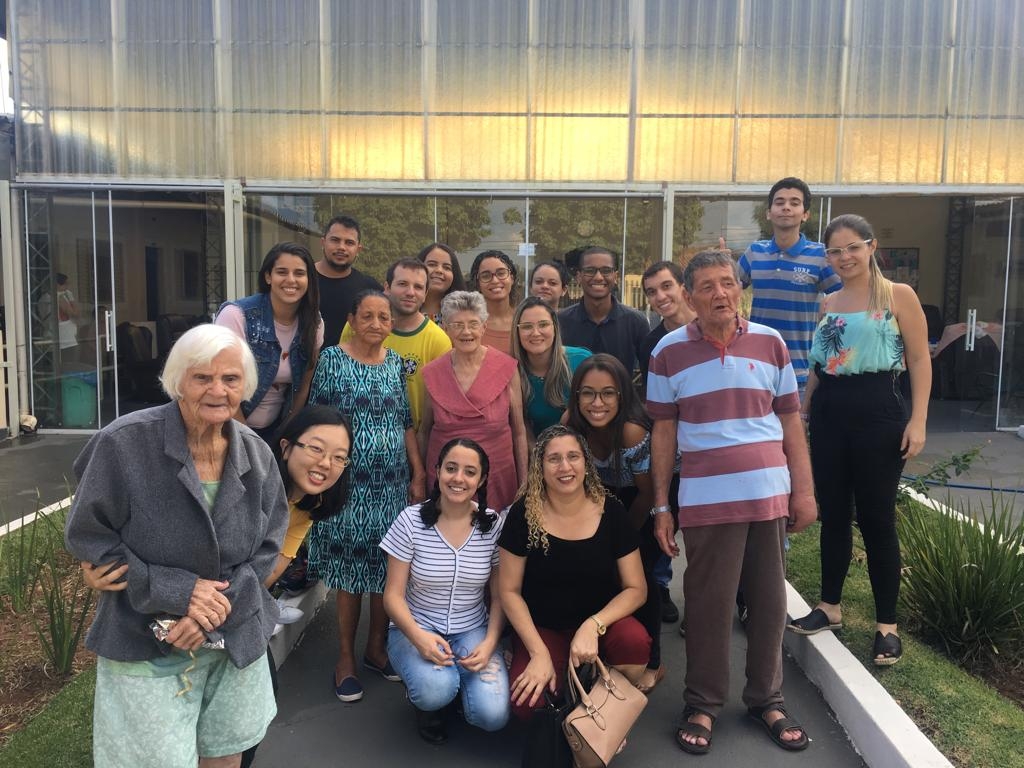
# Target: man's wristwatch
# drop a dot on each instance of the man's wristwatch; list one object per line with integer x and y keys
{"x": 658, "y": 510}
{"x": 601, "y": 628}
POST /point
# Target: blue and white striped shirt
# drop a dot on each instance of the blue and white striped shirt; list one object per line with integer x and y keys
{"x": 445, "y": 592}
{"x": 786, "y": 288}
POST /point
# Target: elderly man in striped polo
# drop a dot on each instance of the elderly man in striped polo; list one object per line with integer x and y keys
{"x": 724, "y": 391}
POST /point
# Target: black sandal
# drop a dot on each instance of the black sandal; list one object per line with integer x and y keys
{"x": 889, "y": 648}
{"x": 814, "y": 622}
{"x": 694, "y": 729}
{"x": 780, "y": 726}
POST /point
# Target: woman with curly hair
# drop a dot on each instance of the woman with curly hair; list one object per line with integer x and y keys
{"x": 569, "y": 576}
{"x": 494, "y": 276}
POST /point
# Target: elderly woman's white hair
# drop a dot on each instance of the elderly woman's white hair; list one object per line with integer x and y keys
{"x": 463, "y": 301}
{"x": 198, "y": 346}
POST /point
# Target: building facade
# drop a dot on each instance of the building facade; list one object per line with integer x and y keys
{"x": 162, "y": 147}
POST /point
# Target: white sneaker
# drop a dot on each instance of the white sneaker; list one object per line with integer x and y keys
{"x": 288, "y": 614}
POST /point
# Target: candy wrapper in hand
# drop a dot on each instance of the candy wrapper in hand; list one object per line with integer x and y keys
{"x": 162, "y": 627}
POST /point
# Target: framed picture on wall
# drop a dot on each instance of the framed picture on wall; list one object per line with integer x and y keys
{"x": 899, "y": 264}
{"x": 100, "y": 279}
{"x": 191, "y": 274}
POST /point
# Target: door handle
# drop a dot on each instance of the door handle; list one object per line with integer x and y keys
{"x": 108, "y": 317}
{"x": 972, "y": 328}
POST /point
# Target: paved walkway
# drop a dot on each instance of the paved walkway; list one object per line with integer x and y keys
{"x": 314, "y": 729}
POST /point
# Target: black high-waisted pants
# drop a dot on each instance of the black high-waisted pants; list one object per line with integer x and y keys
{"x": 856, "y": 427}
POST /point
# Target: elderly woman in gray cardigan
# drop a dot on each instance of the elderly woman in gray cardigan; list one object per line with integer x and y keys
{"x": 191, "y": 502}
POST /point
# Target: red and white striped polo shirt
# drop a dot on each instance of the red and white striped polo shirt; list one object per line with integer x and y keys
{"x": 726, "y": 401}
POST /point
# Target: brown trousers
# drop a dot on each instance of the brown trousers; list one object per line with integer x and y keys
{"x": 720, "y": 559}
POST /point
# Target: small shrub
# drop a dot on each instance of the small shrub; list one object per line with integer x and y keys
{"x": 66, "y": 603}
{"x": 964, "y": 578}
{"x": 19, "y": 566}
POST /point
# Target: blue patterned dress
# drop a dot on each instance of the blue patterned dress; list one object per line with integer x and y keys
{"x": 345, "y": 549}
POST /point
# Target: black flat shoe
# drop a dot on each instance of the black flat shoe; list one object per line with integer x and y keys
{"x": 887, "y": 650}
{"x": 814, "y": 622}
{"x": 430, "y": 726}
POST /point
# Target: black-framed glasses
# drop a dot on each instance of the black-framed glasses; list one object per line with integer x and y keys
{"x": 501, "y": 273}
{"x": 588, "y": 395}
{"x": 854, "y": 249}
{"x": 318, "y": 453}
{"x": 604, "y": 271}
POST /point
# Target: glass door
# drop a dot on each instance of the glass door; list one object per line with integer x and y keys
{"x": 113, "y": 280}
{"x": 66, "y": 321}
{"x": 973, "y": 347}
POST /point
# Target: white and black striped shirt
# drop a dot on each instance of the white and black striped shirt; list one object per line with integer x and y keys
{"x": 445, "y": 592}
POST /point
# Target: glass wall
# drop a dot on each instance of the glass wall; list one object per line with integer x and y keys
{"x": 549, "y": 91}
{"x": 113, "y": 278}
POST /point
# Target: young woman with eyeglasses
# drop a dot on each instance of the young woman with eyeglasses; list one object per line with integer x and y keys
{"x": 545, "y": 366}
{"x": 494, "y": 275}
{"x": 605, "y": 409}
{"x": 861, "y": 432}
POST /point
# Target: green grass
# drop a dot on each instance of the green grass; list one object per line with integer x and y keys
{"x": 970, "y": 723}
{"x": 61, "y": 735}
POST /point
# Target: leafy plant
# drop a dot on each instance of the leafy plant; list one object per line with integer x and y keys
{"x": 19, "y": 566}
{"x": 964, "y": 577}
{"x": 66, "y": 603}
{"x": 942, "y": 471}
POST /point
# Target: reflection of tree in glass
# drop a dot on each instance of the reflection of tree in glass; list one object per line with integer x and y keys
{"x": 398, "y": 227}
{"x": 809, "y": 228}
{"x": 558, "y": 225}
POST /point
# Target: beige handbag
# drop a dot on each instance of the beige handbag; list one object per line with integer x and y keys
{"x": 600, "y": 722}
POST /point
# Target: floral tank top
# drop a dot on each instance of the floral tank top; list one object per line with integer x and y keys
{"x": 847, "y": 343}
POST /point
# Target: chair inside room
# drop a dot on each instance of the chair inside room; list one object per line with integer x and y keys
{"x": 138, "y": 369}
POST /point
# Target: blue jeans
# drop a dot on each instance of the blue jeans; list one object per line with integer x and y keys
{"x": 485, "y": 694}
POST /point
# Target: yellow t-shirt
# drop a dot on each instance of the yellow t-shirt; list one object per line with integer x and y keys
{"x": 416, "y": 348}
{"x": 299, "y": 523}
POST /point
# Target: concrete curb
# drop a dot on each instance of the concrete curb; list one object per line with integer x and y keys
{"x": 309, "y": 602}
{"x": 879, "y": 729}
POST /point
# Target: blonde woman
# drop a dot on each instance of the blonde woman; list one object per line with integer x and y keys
{"x": 861, "y": 429}
{"x": 569, "y": 575}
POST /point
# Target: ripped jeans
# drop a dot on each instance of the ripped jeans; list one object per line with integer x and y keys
{"x": 485, "y": 694}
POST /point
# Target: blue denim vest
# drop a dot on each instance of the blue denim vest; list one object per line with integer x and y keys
{"x": 262, "y": 339}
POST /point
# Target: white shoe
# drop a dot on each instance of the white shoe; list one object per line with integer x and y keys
{"x": 289, "y": 614}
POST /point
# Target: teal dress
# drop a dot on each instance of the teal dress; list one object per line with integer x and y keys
{"x": 540, "y": 414}
{"x": 344, "y": 550}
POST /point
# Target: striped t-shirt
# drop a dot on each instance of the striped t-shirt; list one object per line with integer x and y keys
{"x": 786, "y": 287}
{"x": 726, "y": 402}
{"x": 445, "y": 592}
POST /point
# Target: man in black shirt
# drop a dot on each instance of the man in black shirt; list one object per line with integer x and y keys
{"x": 663, "y": 287}
{"x": 599, "y": 322}
{"x": 339, "y": 280}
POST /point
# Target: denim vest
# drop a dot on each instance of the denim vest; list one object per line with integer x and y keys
{"x": 262, "y": 339}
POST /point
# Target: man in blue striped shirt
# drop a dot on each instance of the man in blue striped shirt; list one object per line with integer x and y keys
{"x": 788, "y": 273}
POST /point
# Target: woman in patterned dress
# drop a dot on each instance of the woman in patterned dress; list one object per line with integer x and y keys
{"x": 363, "y": 380}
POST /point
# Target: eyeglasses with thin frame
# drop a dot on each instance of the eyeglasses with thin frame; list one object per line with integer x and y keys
{"x": 540, "y": 325}
{"x": 318, "y": 453}
{"x": 854, "y": 249}
{"x": 501, "y": 273}
{"x": 555, "y": 459}
{"x": 604, "y": 271}
{"x": 458, "y": 326}
{"x": 588, "y": 395}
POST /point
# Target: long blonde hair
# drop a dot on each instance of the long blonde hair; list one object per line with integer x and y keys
{"x": 534, "y": 492}
{"x": 879, "y": 286}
